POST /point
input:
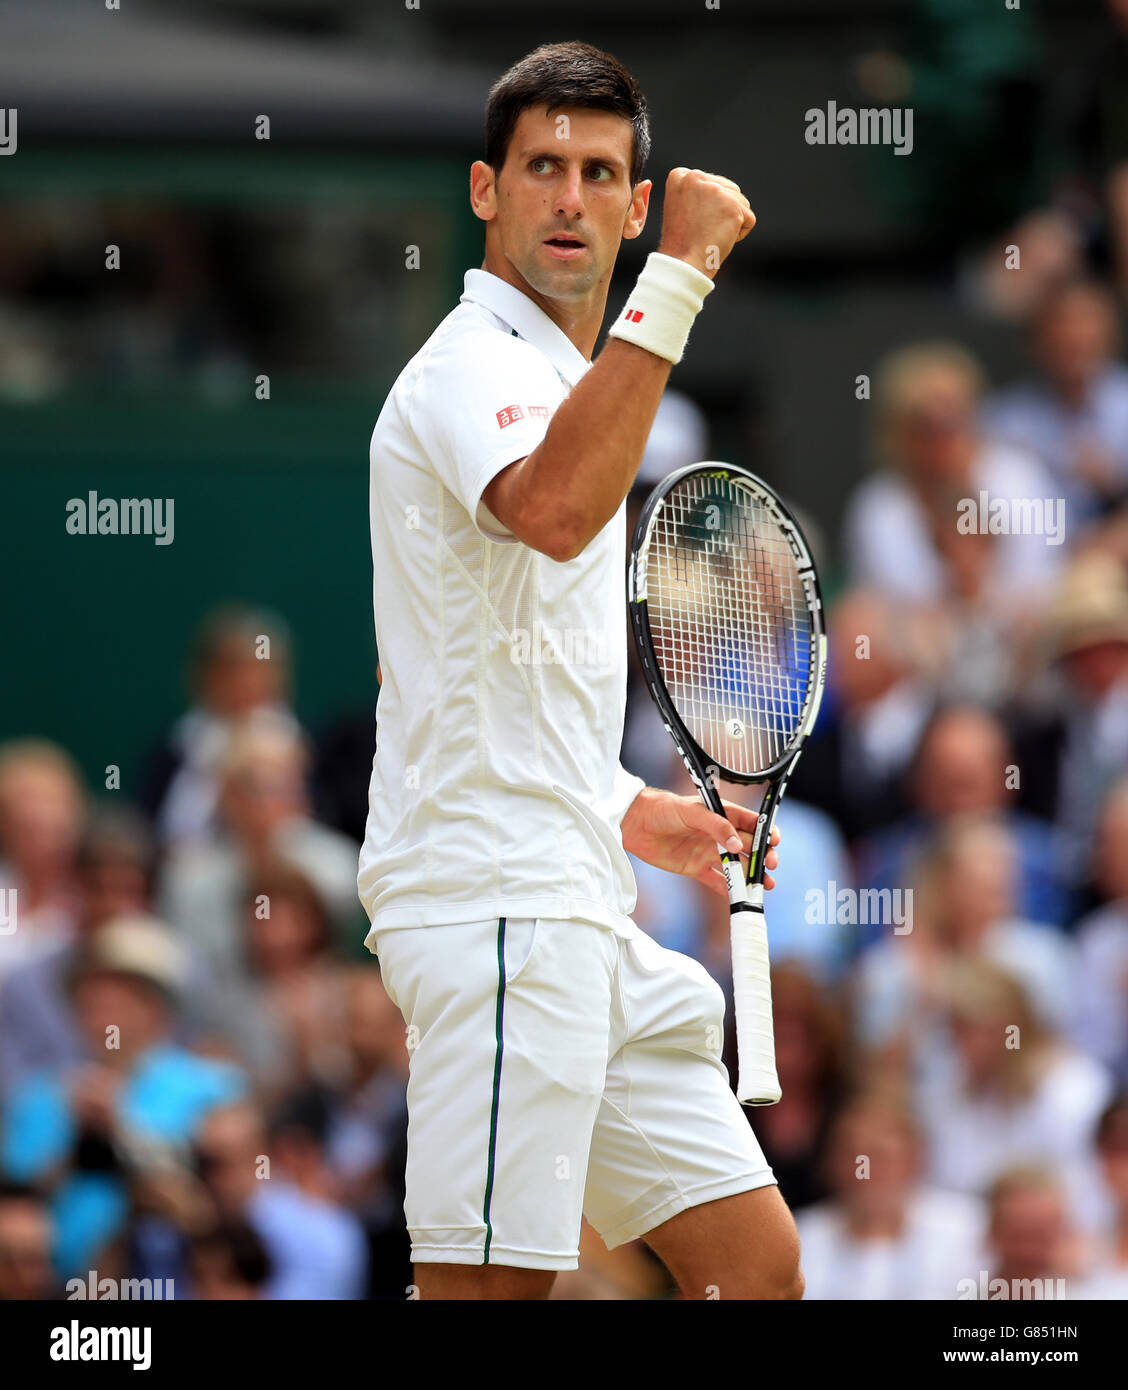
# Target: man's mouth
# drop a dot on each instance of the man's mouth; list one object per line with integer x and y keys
{"x": 563, "y": 246}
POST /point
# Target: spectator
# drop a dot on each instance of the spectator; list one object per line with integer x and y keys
{"x": 115, "y": 872}
{"x": 26, "y": 1234}
{"x": 366, "y": 1139}
{"x": 229, "y": 1263}
{"x": 41, "y": 816}
{"x": 1074, "y": 415}
{"x": 1100, "y": 136}
{"x": 1071, "y": 758}
{"x": 963, "y": 887}
{"x": 1012, "y": 1093}
{"x": 240, "y": 667}
{"x": 883, "y": 1234}
{"x": 88, "y": 1130}
{"x": 263, "y": 817}
{"x": 1107, "y": 1274}
{"x": 371, "y": 1106}
{"x": 316, "y": 1247}
{"x": 1030, "y": 1245}
{"x": 974, "y": 649}
{"x": 926, "y": 397}
{"x": 1102, "y": 941}
{"x": 964, "y": 765}
{"x": 872, "y": 718}
{"x": 294, "y": 977}
{"x": 113, "y": 877}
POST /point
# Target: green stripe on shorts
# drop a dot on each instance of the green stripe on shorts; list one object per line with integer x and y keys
{"x": 499, "y": 1020}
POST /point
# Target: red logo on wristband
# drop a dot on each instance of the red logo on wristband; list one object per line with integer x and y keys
{"x": 633, "y": 316}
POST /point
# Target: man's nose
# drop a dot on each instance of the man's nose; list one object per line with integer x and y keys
{"x": 569, "y": 197}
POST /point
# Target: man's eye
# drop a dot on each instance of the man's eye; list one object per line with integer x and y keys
{"x": 540, "y": 166}
{"x": 602, "y": 169}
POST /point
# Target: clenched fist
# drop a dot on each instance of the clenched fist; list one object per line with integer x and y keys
{"x": 703, "y": 217}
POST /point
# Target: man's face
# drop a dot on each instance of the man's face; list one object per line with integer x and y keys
{"x": 888, "y": 1148}
{"x": 1028, "y": 1229}
{"x": 106, "y": 999}
{"x": 113, "y": 886}
{"x": 25, "y": 1250}
{"x": 934, "y": 429}
{"x": 563, "y": 200}
{"x": 40, "y": 818}
{"x": 1076, "y": 338}
{"x": 962, "y": 766}
{"x": 228, "y": 1149}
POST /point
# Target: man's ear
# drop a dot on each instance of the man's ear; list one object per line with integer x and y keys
{"x": 640, "y": 205}
{"x": 483, "y": 191}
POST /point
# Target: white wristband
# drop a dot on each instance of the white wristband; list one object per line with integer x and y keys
{"x": 666, "y": 299}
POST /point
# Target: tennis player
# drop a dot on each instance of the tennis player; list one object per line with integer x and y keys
{"x": 562, "y": 1063}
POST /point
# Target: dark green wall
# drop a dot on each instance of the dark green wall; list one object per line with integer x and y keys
{"x": 270, "y": 507}
{"x": 271, "y": 497}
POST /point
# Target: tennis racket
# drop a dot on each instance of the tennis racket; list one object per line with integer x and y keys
{"x": 727, "y": 615}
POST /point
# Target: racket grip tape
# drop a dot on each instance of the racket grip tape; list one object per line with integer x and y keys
{"x": 757, "y": 1082}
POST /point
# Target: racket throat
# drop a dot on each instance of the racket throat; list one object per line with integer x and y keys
{"x": 743, "y": 896}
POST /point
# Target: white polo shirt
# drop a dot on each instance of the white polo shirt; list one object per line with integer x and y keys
{"x": 496, "y": 788}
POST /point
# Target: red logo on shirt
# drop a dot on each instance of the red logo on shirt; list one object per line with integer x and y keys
{"x": 519, "y": 412}
{"x": 633, "y": 316}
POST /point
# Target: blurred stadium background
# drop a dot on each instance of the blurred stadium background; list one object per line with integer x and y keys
{"x": 974, "y": 747}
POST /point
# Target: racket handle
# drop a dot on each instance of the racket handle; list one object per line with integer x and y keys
{"x": 757, "y": 1082}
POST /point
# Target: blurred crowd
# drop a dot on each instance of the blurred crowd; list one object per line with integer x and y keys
{"x": 949, "y": 932}
{"x": 202, "y": 1077}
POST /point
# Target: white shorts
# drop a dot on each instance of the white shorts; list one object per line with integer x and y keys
{"x": 558, "y": 1069}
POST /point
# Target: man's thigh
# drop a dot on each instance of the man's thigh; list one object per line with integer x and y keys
{"x": 670, "y": 1136}
{"x": 508, "y": 1031}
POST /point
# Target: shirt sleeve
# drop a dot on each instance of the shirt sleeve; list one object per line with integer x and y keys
{"x": 482, "y": 401}
{"x": 626, "y": 787}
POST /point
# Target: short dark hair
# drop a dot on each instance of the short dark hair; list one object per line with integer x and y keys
{"x": 241, "y": 1247}
{"x": 566, "y": 74}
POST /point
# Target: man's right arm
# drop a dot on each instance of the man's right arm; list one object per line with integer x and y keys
{"x": 559, "y": 497}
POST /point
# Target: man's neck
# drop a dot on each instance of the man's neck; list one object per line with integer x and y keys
{"x": 578, "y": 319}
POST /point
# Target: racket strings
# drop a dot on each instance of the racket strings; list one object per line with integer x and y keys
{"x": 730, "y": 621}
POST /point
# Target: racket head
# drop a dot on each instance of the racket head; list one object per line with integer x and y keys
{"x": 727, "y": 615}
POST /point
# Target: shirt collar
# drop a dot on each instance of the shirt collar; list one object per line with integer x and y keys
{"x": 518, "y": 311}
